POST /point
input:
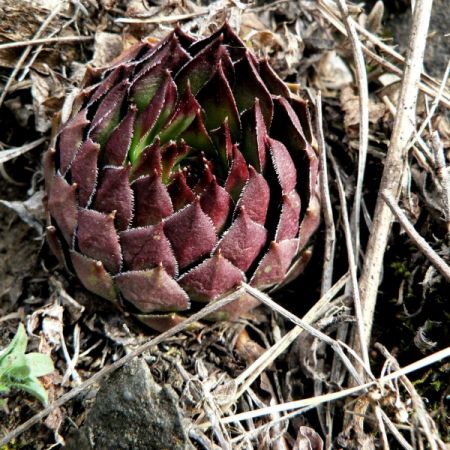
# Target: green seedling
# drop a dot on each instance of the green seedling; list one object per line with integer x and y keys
{"x": 20, "y": 370}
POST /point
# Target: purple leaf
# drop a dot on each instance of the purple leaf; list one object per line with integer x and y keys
{"x": 216, "y": 203}
{"x": 152, "y": 290}
{"x": 191, "y": 233}
{"x": 289, "y": 217}
{"x": 97, "y": 238}
{"x": 237, "y": 176}
{"x": 145, "y": 248}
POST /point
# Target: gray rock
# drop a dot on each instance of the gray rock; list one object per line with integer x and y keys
{"x": 132, "y": 412}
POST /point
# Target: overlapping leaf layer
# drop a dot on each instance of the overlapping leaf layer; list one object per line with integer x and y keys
{"x": 184, "y": 169}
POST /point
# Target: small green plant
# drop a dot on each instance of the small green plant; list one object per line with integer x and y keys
{"x": 21, "y": 371}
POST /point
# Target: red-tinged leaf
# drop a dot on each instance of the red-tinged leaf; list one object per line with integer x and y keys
{"x": 184, "y": 39}
{"x": 224, "y": 144}
{"x": 184, "y": 114}
{"x": 93, "y": 276}
{"x": 161, "y": 322}
{"x": 196, "y": 136}
{"x": 289, "y": 217}
{"x": 84, "y": 171}
{"x": 243, "y": 241}
{"x": 171, "y": 155}
{"x": 301, "y": 109}
{"x": 107, "y": 115}
{"x": 237, "y": 176}
{"x": 191, "y": 233}
{"x": 118, "y": 144}
{"x": 254, "y": 135}
{"x": 70, "y": 139}
{"x": 145, "y": 248}
{"x": 211, "y": 279}
{"x": 152, "y": 290}
{"x": 216, "y": 203}
{"x": 55, "y": 244}
{"x": 248, "y": 87}
{"x": 286, "y": 128}
{"x": 201, "y": 68}
{"x": 62, "y": 205}
{"x": 131, "y": 54}
{"x": 168, "y": 55}
{"x": 152, "y": 201}
{"x": 155, "y": 115}
{"x": 216, "y": 99}
{"x": 118, "y": 74}
{"x": 283, "y": 165}
{"x": 48, "y": 163}
{"x": 97, "y": 238}
{"x": 180, "y": 193}
{"x": 275, "y": 263}
{"x": 114, "y": 194}
{"x": 310, "y": 222}
{"x": 255, "y": 197}
{"x": 272, "y": 81}
{"x": 230, "y": 39}
{"x": 148, "y": 162}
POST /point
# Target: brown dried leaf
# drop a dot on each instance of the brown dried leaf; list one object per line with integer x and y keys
{"x": 107, "y": 46}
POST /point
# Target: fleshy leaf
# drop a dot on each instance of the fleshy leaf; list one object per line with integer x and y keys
{"x": 243, "y": 242}
{"x": 97, "y": 238}
{"x": 84, "y": 171}
{"x": 145, "y": 248}
{"x": 114, "y": 194}
{"x": 216, "y": 203}
{"x": 254, "y": 135}
{"x": 310, "y": 222}
{"x": 118, "y": 144}
{"x": 152, "y": 290}
{"x": 255, "y": 197}
{"x": 237, "y": 176}
{"x": 289, "y": 217}
{"x": 152, "y": 201}
{"x": 62, "y": 204}
{"x": 148, "y": 162}
{"x": 179, "y": 191}
{"x": 216, "y": 99}
{"x": 70, "y": 139}
{"x": 275, "y": 263}
{"x": 248, "y": 87}
{"x": 191, "y": 233}
{"x": 93, "y": 276}
{"x": 283, "y": 165}
{"x": 211, "y": 279}
{"x": 273, "y": 82}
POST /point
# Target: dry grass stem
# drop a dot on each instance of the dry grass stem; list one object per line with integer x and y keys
{"x": 363, "y": 102}
{"x": 330, "y": 229}
{"x": 49, "y": 40}
{"x": 11, "y": 153}
{"x": 318, "y": 400}
{"x": 421, "y": 243}
{"x": 394, "y": 164}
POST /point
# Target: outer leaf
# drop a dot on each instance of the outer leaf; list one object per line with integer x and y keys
{"x": 17, "y": 346}
{"x": 33, "y": 387}
{"x": 39, "y": 364}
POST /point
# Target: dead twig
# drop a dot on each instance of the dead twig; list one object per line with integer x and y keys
{"x": 11, "y": 153}
{"x": 421, "y": 243}
{"x": 363, "y": 101}
{"x": 394, "y": 164}
{"x": 49, "y": 40}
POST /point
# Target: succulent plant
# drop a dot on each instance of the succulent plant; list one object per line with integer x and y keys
{"x": 181, "y": 170}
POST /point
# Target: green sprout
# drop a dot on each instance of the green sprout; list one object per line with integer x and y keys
{"x": 21, "y": 371}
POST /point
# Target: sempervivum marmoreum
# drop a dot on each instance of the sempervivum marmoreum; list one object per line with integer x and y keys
{"x": 183, "y": 169}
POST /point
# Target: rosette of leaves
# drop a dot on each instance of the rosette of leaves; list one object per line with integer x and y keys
{"x": 180, "y": 171}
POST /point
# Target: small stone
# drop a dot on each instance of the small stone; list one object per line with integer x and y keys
{"x": 131, "y": 411}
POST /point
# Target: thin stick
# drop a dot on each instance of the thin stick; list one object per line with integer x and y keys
{"x": 11, "y": 153}
{"x": 394, "y": 163}
{"x": 318, "y": 400}
{"x": 363, "y": 101}
{"x": 330, "y": 230}
{"x": 50, "y": 40}
{"x": 421, "y": 243}
{"x": 119, "y": 363}
{"x": 168, "y": 19}
{"x": 361, "y": 334}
